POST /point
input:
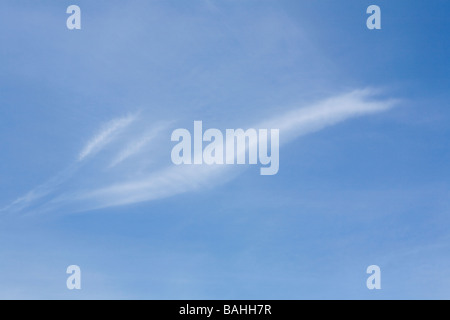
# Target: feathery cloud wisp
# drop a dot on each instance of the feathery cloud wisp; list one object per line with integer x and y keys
{"x": 301, "y": 121}
{"x": 100, "y": 140}
{"x": 136, "y": 146}
{"x": 175, "y": 180}
{"x": 106, "y": 135}
{"x": 123, "y": 186}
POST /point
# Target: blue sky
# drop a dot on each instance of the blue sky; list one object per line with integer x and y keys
{"x": 86, "y": 175}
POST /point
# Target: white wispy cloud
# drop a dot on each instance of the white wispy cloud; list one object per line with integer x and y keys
{"x": 45, "y": 189}
{"x": 106, "y": 135}
{"x": 96, "y": 143}
{"x": 125, "y": 188}
{"x": 179, "y": 179}
{"x": 328, "y": 112}
{"x": 136, "y": 146}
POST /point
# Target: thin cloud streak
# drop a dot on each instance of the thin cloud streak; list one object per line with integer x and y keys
{"x": 106, "y": 135}
{"x": 135, "y": 147}
{"x": 328, "y": 112}
{"x": 179, "y": 179}
{"x": 41, "y": 191}
{"x": 172, "y": 180}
